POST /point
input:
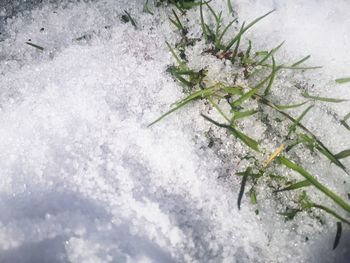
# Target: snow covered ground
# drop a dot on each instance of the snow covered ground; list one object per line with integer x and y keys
{"x": 84, "y": 180}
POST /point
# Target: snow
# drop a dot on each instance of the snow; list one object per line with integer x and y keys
{"x": 83, "y": 179}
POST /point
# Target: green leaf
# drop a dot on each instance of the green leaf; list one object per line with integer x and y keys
{"x": 238, "y": 134}
{"x": 342, "y": 80}
{"x": 338, "y": 200}
{"x": 295, "y": 186}
{"x": 307, "y": 95}
{"x": 343, "y": 154}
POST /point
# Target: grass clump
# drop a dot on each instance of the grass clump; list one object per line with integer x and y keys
{"x": 232, "y": 101}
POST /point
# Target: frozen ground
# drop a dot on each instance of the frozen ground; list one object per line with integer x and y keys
{"x": 84, "y": 180}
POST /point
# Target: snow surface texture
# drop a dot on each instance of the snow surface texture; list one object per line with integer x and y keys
{"x": 82, "y": 177}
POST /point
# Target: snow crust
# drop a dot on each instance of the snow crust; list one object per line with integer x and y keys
{"x": 83, "y": 179}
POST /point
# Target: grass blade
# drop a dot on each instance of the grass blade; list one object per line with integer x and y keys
{"x": 286, "y": 107}
{"x": 146, "y": 8}
{"x": 34, "y": 45}
{"x": 219, "y": 39}
{"x": 172, "y": 51}
{"x": 300, "y": 61}
{"x": 342, "y": 80}
{"x": 203, "y": 25}
{"x": 235, "y": 51}
{"x": 270, "y": 54}
{"x": 241, "y": 189}
{"x": 230, "y": 7}
{"x": 337, "y": 235}
{"x": 298, "y": 120}
{"x": 338, "y": 200}
{"x": 272, "y": 78}
{"x": 180, "y": 104}
{"x": 307, "y": 95}
{"x": 245, "y": 29}
{"x": 331, "y": 212}
{"x": 244, "y": 114}
{"x": 250, "y": 93}
{"x": 238, "y": 134}
{"x": 295, "y": 186}
{"x": 343, "y": 154}
{"x": 127, "y": 18}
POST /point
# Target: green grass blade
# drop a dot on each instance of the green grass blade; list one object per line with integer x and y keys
{"x": 300, "y": 61}
{"x": 235, "y": 51}
{"x": 343, "y": 121}
{"x": 233, "y": 90}
{"x": 337, "y": 235}
{"x": 230, "y": 44}
{"x": 219, "y": 39}
{"x": 146, "y": 8}
{"x": 250, "y": 93}
{"x": 286, "y": 107}
{"x": 346, "y": 117}
{"x": 331, "y": 212}
{"x": 338, "y": 200}
{"x": 252, "y": 194}
{"x": 295, "y": 186}
{"x": 298, "y": 120}
{"x": 127, "y": 18}
{"x": 230, "y": 7}
{"x": 272, "y": 78}
{"x": 238, "y": 134}
{"x": 196, "y": 95}
{"x": 342, "y": 80}
{"x": 343, "y": 154}
{"x": 172, "y": 51}
{"x": 241, "y": 189}
{"x": 244, "y": 114}
{"x": 307, "y": 95}
{"x": 270, "y": 54}
{"x": 203, "y": 25}
{"x": 34, "y": 45}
